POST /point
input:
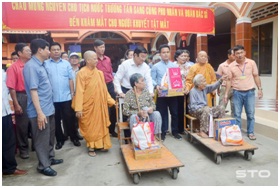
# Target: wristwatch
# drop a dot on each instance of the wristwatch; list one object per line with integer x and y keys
{"x": 260, "y": 88}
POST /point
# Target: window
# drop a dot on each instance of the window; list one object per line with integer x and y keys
{"x": 262, "y": 48}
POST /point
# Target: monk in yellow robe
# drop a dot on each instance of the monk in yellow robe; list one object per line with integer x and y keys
{"x": 91, "y": 103}
{"x": 202, "y": 67}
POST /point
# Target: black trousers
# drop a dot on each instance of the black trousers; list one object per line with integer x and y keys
{"x": 112, "y": 110}
{"x": 9, "y": 163}
{"x": 163, "y": 103}
{"x": 64, "y": 111}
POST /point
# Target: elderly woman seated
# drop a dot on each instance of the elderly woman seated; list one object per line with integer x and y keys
{"x": 144, "y": 107}
{"x": 198, "y": 103}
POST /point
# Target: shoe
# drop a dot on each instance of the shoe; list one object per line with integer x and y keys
{"x": 177, "y": 136}
{"x": 79, "y": 137}
{"x": 65, "y": 138}
{"x": 162, "y": 137}
{"x": 24, "y": 156}
{"x": 252, "y": 136}
{"x": 17, "y": 172}
{"x": 114, "y": 134}
{"x": 91, "y": 152}
{"x": 76, "y": 143}
{"x": 56, "y": 161}
{"x": 182, "y": 133}
{"x": 48, "y": 171}
{"x": 58, "y": 145}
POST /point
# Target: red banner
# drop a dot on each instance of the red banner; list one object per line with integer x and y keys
{"x": 107, "y": 16}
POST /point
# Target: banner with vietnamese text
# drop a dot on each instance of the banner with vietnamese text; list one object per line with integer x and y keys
{"x": 107, "y": 16}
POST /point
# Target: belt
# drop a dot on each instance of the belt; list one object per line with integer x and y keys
{"x": 21, "y": 92}
{"x": 109, "y": 83}
{"x": 245, "y": 90}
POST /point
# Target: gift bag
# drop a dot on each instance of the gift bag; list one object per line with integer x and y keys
{"x": 231, "y": 135}
{"x": 211, "y": 127}
{"x": 141, "y": 135}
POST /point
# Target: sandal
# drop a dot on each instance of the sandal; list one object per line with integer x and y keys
{"x": 91, "y": 152}
{"x": 252, "y": 137}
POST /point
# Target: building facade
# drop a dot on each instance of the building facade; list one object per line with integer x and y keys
{"x": 253, "y": 25}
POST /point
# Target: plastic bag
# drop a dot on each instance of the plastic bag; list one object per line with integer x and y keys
{"x": 141, "y": 135}
{"x": 211, "y": 127}
{"x": 231, "y": 135}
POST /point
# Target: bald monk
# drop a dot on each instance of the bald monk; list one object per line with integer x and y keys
{"x": 91, "y": 103}
{"x": 202, "y": 67}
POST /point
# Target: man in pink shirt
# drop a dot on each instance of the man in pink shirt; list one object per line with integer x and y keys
{"x": 15, "y": 83}
{"x": 104, "y": 64}
{"x": 243, "y": 75}
{"x": 222, "y": 70}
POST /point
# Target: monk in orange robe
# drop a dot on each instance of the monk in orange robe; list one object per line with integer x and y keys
{"x": 91, "y": 103}
{"x": 202, "y": 67}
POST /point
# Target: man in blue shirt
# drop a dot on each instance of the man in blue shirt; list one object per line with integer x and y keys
{"x": 163, "y": 103}
{"x": 40, "y": 109}
{"x": 61, "y": 78}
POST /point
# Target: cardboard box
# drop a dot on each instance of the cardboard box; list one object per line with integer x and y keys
{"x": 219, "y": 124}
{"x": 152, "y": 153}
{"x": 171, "y": 92}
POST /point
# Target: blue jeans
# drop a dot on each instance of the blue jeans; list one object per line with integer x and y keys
{"x": 246, "y": 99}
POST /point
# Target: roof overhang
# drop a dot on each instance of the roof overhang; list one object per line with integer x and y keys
{"x": 23, "y": 32}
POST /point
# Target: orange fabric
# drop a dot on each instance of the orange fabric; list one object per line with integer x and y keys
{"x": 92, "y": 99}
{"x": 207, "y": 71}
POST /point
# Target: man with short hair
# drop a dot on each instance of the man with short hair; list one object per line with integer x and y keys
{"x": 222, "y": 70}
{"x": 129, "y": 67}
{"x": 104, "y": 64}
{"x": 61, "y": 78}
{"x": 74, "y": 60}
{"x": 40, "y": 108}
{"x": 163, "y": 103}
{"x": 243, "y": 76}
{"x": 15, "y": 83}
{"x": 14, "y": 58}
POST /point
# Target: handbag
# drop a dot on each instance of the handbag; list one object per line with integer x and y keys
{"x": 231, "y": 135}
{"x": 211, "y": 127}
{"x": 141, "y": 135}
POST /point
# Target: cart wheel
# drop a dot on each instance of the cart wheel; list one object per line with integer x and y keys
{"x": 136, "y": 178}
{"x": 218, "y": 159}
{"x": 248, "y": 155}
{"x": 174, "y": 172}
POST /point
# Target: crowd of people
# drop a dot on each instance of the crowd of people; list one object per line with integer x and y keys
{"x": 55, "y": 97}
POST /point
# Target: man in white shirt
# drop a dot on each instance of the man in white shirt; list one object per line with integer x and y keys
{"x": 131, "y": 66}
{"x": 9, "y": 163}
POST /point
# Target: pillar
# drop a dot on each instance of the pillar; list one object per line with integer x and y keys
{"x": 232, "y": 30}
{"x": 243, "y": 34}
{"x": 172, "y": 50}
{"x": 201, "y": 43}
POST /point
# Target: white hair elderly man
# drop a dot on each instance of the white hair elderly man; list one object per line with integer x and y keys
{"x": 198, "y": 102}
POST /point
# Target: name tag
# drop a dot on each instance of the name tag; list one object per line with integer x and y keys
{"x": 242, "y": 77}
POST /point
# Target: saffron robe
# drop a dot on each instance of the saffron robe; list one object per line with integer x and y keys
{"x": 209, "y": 74}
{"x": 93, "y": 99}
